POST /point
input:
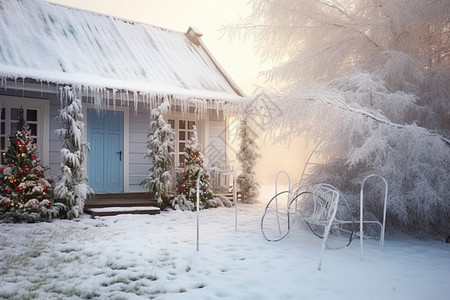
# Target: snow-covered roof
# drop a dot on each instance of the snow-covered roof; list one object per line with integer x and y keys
{"x": 64, "y": 45}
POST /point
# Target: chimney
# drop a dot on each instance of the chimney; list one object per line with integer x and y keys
{"x": 194, "y": 35}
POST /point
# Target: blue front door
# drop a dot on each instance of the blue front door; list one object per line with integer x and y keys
{"x": 105, "y": 160}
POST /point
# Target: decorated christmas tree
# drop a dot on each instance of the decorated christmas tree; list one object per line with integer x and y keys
{"x": 72, "y": 188}
{"x": 193, "y": 168}
{"x": 24, "y": 191}
{"x": 160, "y": 147}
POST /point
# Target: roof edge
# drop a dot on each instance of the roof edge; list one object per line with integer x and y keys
{"x": 194, "y": 35}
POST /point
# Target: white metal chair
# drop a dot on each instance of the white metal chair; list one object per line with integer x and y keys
{"x": 327, "y": 199}
{"x": 330, "y": 213}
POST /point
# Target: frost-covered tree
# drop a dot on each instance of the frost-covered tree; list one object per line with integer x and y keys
{"x": 370, "y": 80}
{"x": 72, "y": 188}
{"x": 319, "y": 40}
{"x": 160, "y": 148}
{"x": 247, "y": 157}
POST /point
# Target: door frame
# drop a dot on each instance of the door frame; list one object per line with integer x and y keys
{"x": 126, "y": 149}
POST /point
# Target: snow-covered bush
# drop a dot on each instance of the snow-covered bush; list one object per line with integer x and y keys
{"x": 247, "y": 157}
{"x": 160, "y": 147}
{"x": 71, "y": 188}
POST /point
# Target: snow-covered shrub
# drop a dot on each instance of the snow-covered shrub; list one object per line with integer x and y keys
{"x": 247, "y": 157}
{"x": 160, "y": 147}
{"x": 71, "y": 188}
{"x": 180, "y": 202}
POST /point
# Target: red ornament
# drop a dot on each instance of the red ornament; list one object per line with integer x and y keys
{"x": 1, "y": 170}
{"x": 8, "y": 190}
{"x": 11, "y": 165}
{"x": 33, "y": 157}
{"x": 207, "y": 176}
{"x": 20, "y": 189}
{"x": 27, "y": 169}
{"x": 44, "y": 188}
{"x": 18, "y": 143}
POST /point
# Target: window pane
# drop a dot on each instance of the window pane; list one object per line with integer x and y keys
{"x": 181, "y": 147}
{"x": 31, "y": 115}
{"x": 191, "y": 124}
{"x": 182, "y": 135}
{"x": 3, "y": 142}
{"x": 172, "y": 123}
{"x": 181, "y": 159}
{"x": 3, "y": 128}
{"x": 13, "y": 127}
{"x": 181, "y": 124}
{"x": 33, "y": 129}
{"x": 15, "y": 113}
{"x": 3, "y": 113}
{"x": 190, "y": 134}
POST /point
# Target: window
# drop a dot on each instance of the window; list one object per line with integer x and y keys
{"x": 184, "y": 130}
{"x": 33, "y": 112}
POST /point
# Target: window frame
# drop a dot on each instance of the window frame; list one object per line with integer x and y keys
{"x": 42, "y": 106}
{"x": 178, "y": 141}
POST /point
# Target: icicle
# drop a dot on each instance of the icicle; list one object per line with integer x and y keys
{"x": 61, "y": 100}
{"x": 217, "y": 108}
{"x": 114, "y": 98}
{"x": 23, "y": 87}
{"x": 136, "y": 101}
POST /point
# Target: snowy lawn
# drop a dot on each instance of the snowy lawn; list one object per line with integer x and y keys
{"x": 154, "y": 257}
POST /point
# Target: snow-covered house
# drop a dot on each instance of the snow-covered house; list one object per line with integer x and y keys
{"x": 121, "y": 69}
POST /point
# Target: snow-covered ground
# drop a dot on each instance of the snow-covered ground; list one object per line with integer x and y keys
{"x": 154, "y": 257}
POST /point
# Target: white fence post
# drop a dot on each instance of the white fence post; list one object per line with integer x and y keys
{"x": 198, "y": 210}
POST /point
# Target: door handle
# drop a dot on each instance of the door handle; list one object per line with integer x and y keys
{"x": 120, "y": 155}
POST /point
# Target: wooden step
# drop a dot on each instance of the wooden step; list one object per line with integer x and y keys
{"x": 114, "y": 211}
{"x": 115, "y": 204}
